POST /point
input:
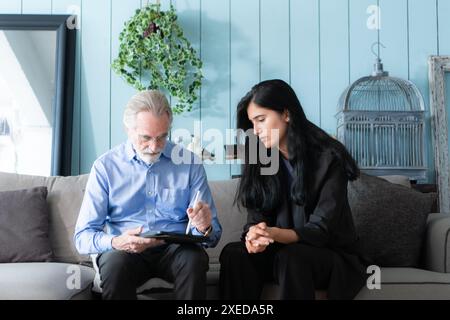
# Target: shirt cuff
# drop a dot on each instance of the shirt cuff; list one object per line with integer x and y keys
{"x": 105, "y": 242}
{"x": 195, "y": 232}
{"x": 211, "y": 237}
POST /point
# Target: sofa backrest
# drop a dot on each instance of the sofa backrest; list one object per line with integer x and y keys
{"x": 65, "y": 195}
{"x": 230, "y": 216}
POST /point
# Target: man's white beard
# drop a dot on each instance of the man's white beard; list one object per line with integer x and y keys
{"x": 147, "y": 157}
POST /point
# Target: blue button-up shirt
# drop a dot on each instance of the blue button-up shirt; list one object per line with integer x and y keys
{"x": 123, "y": 193}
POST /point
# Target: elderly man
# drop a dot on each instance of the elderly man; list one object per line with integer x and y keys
{"x": 136, "y": 187}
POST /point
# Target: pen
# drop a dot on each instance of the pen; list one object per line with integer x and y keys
{"x": 195, "y": 203}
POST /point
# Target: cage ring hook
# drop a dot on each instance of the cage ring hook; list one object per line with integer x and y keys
{"x": 379, "y": 44}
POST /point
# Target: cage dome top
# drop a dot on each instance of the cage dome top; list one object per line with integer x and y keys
{"x": 380, "y": 92}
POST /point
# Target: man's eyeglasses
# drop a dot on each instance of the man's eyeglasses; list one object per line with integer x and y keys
{"x": 146, "y": 139}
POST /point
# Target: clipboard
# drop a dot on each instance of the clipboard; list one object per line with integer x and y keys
{"x": 173, "y": 237}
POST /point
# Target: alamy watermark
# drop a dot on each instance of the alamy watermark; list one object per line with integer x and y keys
{"x": 214, "y": 141}
{"x": 73, "y": 281}
{"x": 74, "y": 21}
{"x": 374, "y": 280}
{"x": 374, "y": 20}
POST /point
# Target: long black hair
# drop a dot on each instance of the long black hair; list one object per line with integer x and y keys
{"x": 261, "y": 192}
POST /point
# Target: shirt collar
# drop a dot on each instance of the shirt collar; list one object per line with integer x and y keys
{"x": 131, "y": 153}
{"x": 129, "y": 150}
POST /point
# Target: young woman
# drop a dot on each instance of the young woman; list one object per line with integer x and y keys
{"x": 300, "y": 233}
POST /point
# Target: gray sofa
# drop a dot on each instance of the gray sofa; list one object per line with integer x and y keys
{"x": 53, "y": 280}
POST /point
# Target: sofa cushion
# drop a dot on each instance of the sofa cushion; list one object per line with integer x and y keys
{"x": 390, "y": 220}
{"x": 408, "y": 284}
{"x": 65, "y": 195}
{"x": 24, "y": 224}
{"x": 43, "y": 281}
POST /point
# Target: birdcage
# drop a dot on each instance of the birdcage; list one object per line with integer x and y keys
{"x": 380, "y": 120}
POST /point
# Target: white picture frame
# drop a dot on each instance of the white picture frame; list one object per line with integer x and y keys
{"x": 438, "y": 66}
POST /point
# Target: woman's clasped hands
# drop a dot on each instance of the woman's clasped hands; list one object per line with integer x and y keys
{"x": 259, "y": 237}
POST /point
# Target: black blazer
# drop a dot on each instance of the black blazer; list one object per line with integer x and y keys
{"x": 324, "y": 221}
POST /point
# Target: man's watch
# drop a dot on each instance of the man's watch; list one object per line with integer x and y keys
{"x": 207, "y": 231}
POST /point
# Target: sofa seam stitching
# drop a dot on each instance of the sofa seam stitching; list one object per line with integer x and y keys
{"x": 446, "y": 249}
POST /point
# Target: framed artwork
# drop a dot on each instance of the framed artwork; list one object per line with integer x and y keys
{"x": 37, "y": 63}
{"x": 439, "y": 66}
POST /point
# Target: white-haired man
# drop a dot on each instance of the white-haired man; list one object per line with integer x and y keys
{"x": 136, "y": 187}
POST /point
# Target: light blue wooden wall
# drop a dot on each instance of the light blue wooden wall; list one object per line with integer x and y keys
{"x": 318, "y": 46}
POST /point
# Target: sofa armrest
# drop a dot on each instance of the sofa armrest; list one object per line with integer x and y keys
{"x": 437, "y": 243}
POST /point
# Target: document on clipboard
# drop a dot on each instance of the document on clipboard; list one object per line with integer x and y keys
{"x": 173, "y": 237}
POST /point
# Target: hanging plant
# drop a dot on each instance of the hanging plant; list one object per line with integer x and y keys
{"x": 154, "y": 54}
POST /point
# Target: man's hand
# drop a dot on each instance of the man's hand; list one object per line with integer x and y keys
{"x": 200, "y": 216}
{"x": 130, "y": 242}
{"x": 258, "y": 238}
